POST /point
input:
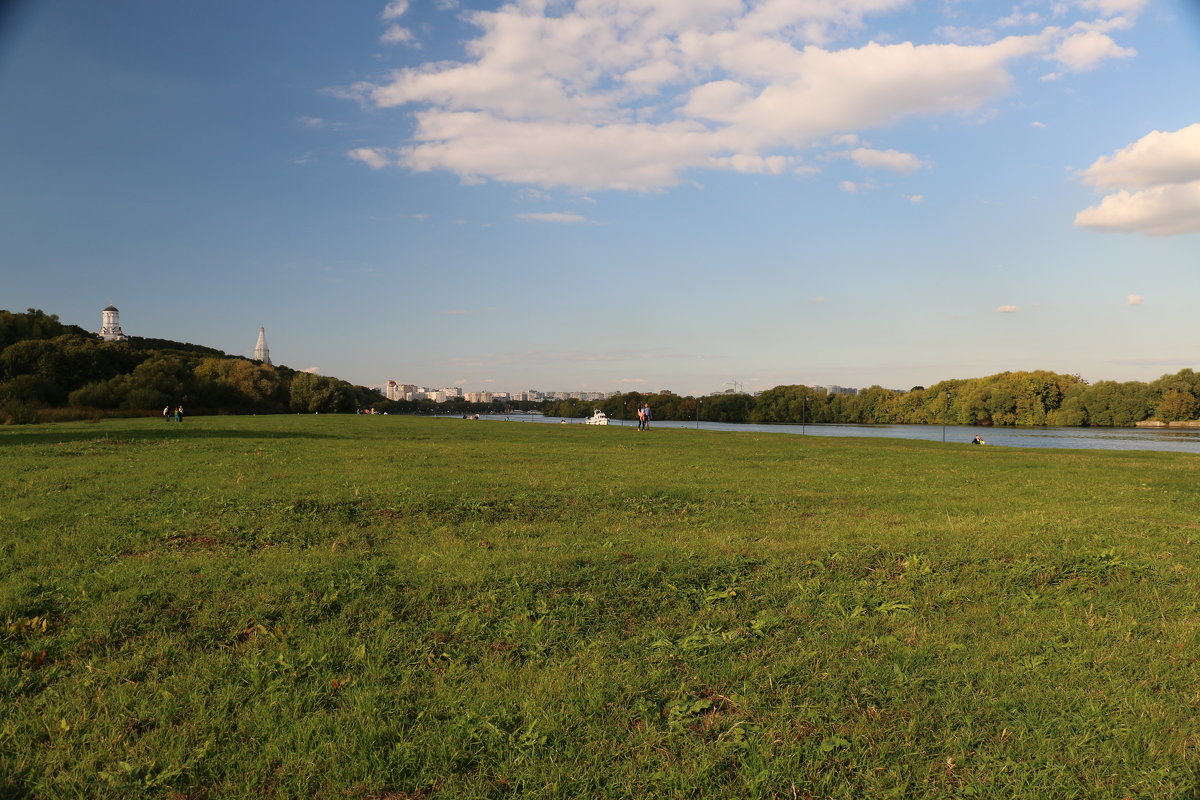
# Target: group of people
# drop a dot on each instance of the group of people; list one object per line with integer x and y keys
{"x": 643, "y": 417}
{"x": 978, "y": 440}
{"x": 176, "y": 416}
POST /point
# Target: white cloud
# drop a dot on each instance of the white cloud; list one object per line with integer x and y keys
{"x": 371, "y": 156}
{"x": 398, "y": 34}
{"x": 848, "y": 186}
{"x": 1110, "y": 8}
{"x": 1163, "y": 169}
{"x": 1134, "y": 300}
{"x": 1038, "y": 124}
{"x": 631, "y": 380}
{"x": 601, "y": 94}
{"x": 820, "y": 299}
{"x": 312, "y": 370}
{"x": 915, "y": 199}
{"x": 1008, "y": 309}
{"x": 394, "y": 9}
{"x": 1018, "y": 18}
{"x": 1157, "y": 158}
{"x": 551, "y": 216}
{"x": 885, "y": 159}
{"x": 1082, "y": 51}
{"x": 1160, "y": 211}
{"x": 311, "y": 122}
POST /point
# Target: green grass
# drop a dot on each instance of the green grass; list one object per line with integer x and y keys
{"x": 389, "y": 607}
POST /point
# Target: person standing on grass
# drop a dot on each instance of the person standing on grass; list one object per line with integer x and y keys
{"x": 646, "y": 414}
{"x": 641, "y": 418}
{"x": 167, "y": 413}
{"x": 179, "y": 414}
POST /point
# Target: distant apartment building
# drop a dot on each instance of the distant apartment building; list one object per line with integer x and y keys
{"x": 394, "y": 390}
{"x": 834, "y": 389}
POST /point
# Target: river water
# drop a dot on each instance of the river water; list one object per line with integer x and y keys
{"x": 1179, "y": 440}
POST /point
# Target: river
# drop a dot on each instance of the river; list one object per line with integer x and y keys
{"x": 1179, "y": 440}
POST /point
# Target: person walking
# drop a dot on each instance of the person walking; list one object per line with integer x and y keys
{"x": 641, "y": 419}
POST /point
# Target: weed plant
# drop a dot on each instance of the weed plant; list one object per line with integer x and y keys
{"x": 391, "y": 607}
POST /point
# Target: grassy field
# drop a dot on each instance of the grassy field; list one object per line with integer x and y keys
{"x": 390, "y": 607}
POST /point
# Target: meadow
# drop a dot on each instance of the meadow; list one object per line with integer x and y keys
{"x": 399, "y": 608}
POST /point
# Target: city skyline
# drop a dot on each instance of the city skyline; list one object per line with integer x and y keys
{"x": 615, "y": 195}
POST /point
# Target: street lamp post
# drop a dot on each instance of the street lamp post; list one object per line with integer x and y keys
{"x": 699, "y": 400}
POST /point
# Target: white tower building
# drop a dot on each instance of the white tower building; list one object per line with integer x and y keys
{"x": 110, "y": 325}
{"x": 261, "y": 353}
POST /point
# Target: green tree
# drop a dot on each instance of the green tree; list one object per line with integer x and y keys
{"x": 1176, "y": 405}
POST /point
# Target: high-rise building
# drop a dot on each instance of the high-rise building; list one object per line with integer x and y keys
{"x": 110, "y": 325}
{"x": 261, "y": 353}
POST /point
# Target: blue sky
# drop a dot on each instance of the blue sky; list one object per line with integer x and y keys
{"x": 614, "y": 194}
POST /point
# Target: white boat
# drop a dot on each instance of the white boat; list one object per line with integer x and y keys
{"x": 597, "y": 418}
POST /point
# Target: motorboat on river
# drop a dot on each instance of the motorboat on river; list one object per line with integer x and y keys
{"x": 597, "y": 418}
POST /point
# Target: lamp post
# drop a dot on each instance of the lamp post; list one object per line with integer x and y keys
{"x": 945, "y": 410}
{"x": 803, "y": 412}
{"x": 699, "y": 400}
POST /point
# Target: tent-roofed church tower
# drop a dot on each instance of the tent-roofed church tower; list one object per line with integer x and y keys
{"x": 110, "y": 325}
{"x": 261, "y": 353}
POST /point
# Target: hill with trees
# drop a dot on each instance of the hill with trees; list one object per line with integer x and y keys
{"x": 47, "y": 365}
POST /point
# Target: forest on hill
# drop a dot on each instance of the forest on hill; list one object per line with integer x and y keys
{"x": 46, "y": 365}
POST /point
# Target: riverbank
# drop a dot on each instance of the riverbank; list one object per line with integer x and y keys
{"x": 367, "y": 607}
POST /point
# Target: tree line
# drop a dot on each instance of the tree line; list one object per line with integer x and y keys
{"x": 45, "y": 364}
{"x": 1008, "y": 398}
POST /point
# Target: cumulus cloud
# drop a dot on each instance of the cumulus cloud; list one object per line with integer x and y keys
{"x": 394, "y": 9}
{"x": 371, "y": 156}
{"x": 1134, "y": 300}
{"x": 398, "y": 34}
{"x": 1082, "y": 51}
{"x": 551, "y": 216}
{"x": 915, "y": 199}
{"x": 1008, "y": 309}
{"x": 1018, "y": 18}
{"x": 885, "y": 159}
{"x": 600, "y": 94}
{"x": 1158, "y": 178}
{"x": 1156, "y": 159}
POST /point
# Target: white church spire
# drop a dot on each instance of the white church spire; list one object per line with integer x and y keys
{"x": 261, "y": 353}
